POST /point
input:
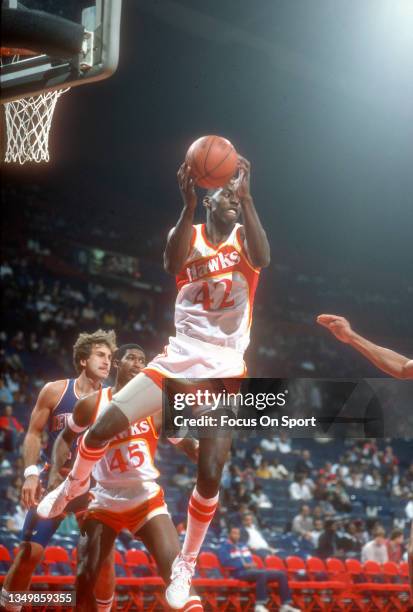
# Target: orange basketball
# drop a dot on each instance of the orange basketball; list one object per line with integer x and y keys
{"x": 213, "y": 161}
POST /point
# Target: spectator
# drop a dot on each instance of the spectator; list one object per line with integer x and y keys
{"x": 182, "y": 478}
{"x": 6, "y": 396}
{"x": 303, "y": 523}
{"x": 5, "y": 466}
{"x": 254, "y": 538}
{"x": 257, "y": 457}
{"x": 317, "y": 531}
{"x": 278, "y": 471}
{"x": 14, "y": 489}
{"x": 409, "y": 508}
{"x": 395, "y": 547}
{"x": 16, "y": 521}
{"x": 348, "y": 540}
{"x": 263, "y": 471}
{"x": 268, "y": 444}
{"x": 237, "y": 558}
{"x": 12, "y": 429}
{"x": 376, "y": 549}
{"x": 299, "y": 490}
{"x": 260, "y": 499}
{"x": 304, "y": 464}
{"x": 284, "y": 444}
{"x": 341, "y": 500}
{"x": 328, "y": 542}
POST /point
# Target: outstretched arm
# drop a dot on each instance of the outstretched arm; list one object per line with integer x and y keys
{"x": 256, "y": 240}
{"x": 385, "y": 359}
{"x": 179, "y": 239}
{"x": 82, "y": 416}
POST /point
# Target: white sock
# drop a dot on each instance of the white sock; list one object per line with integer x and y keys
{"x": 200, "y": 514}
{"x": 85, "y": 460}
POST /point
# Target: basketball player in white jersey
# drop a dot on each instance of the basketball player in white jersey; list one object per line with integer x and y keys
{"x": 385, "y": 359}
{"x": 217, "y": 265}
{"x": 126, "y": 495}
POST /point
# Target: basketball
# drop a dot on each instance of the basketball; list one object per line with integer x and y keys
{"x": 213, "y": 161}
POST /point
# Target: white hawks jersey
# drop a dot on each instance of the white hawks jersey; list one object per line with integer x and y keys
{"x": 130, "y": 455}
{"x": 216, "y": 289}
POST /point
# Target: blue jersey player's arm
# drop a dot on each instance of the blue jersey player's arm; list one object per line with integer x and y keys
{"x": 82, "y": 417}
{"x": 385, "y": 359}
{"x": 46, "y": 401}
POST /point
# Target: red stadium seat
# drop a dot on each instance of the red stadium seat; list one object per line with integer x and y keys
{"x": 5, "y": 559}
{"x": 391, "y": 571}
{"x": 355, "y": 570}
{"x": 4, "y": 554}
{"x": 209, "y": 565}
{"x": 404, "y": 571}
{"x": 312, "y": 587}
{"x": 316, "y": 568}
{"x": 258, "y": 561}
{"x": 274, "y": 562}
{"x": 56, "y": 561}
{"x": 137, "y": 563}
{"x": 336, "y": 570}
{"x": 368, "y": 583}
{"x": 295, "y": 567}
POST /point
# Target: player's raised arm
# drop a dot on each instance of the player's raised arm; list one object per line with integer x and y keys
{"x": 385, "y": 359}
{"x": 255, "y": 237}
{"x": 78, "y": 422}
{"x": 46, "y": 401}
{"x": 179, "y": 239}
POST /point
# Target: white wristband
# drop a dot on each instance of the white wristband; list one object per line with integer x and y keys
{"x": 31, "y": 470}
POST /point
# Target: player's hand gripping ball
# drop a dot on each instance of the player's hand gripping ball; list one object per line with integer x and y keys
{"x": 213, "y": 161}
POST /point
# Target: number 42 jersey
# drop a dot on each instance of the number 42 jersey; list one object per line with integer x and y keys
{"x": 216, "y": 289}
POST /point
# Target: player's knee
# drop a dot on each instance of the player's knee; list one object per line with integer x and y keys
{"x": 106, "y": 426}
{"x": 208, "y": 481}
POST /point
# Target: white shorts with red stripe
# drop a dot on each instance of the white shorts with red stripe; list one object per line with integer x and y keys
{"x": 187, "y": 357}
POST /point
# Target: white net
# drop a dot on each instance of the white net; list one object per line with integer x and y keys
{"x": 28, "y": 123}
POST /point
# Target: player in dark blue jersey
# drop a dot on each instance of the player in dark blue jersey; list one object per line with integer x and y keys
{"x": 92, "y": 356}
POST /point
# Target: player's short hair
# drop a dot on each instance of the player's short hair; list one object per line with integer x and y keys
{"x": 82, "y": 348}
{"x": 121, "y": 351}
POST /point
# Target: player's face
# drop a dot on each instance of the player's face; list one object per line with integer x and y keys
{"x": 97, "y": 366}
{"x": 132, "y": 362}
{"x": 225, "y": 204}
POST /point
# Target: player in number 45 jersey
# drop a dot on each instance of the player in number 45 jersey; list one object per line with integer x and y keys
{"x": 217, "y": 266}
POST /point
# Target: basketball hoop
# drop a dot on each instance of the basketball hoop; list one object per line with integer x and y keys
{"x": 28, "y": 120}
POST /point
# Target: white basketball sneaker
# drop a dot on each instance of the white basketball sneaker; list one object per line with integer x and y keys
{"x": 54, "y": 503}
{"x": 177, "y": 592}
{"x": 289, "y": 608}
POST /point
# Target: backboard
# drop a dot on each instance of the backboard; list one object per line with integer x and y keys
{"x": 72, "y": 42}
